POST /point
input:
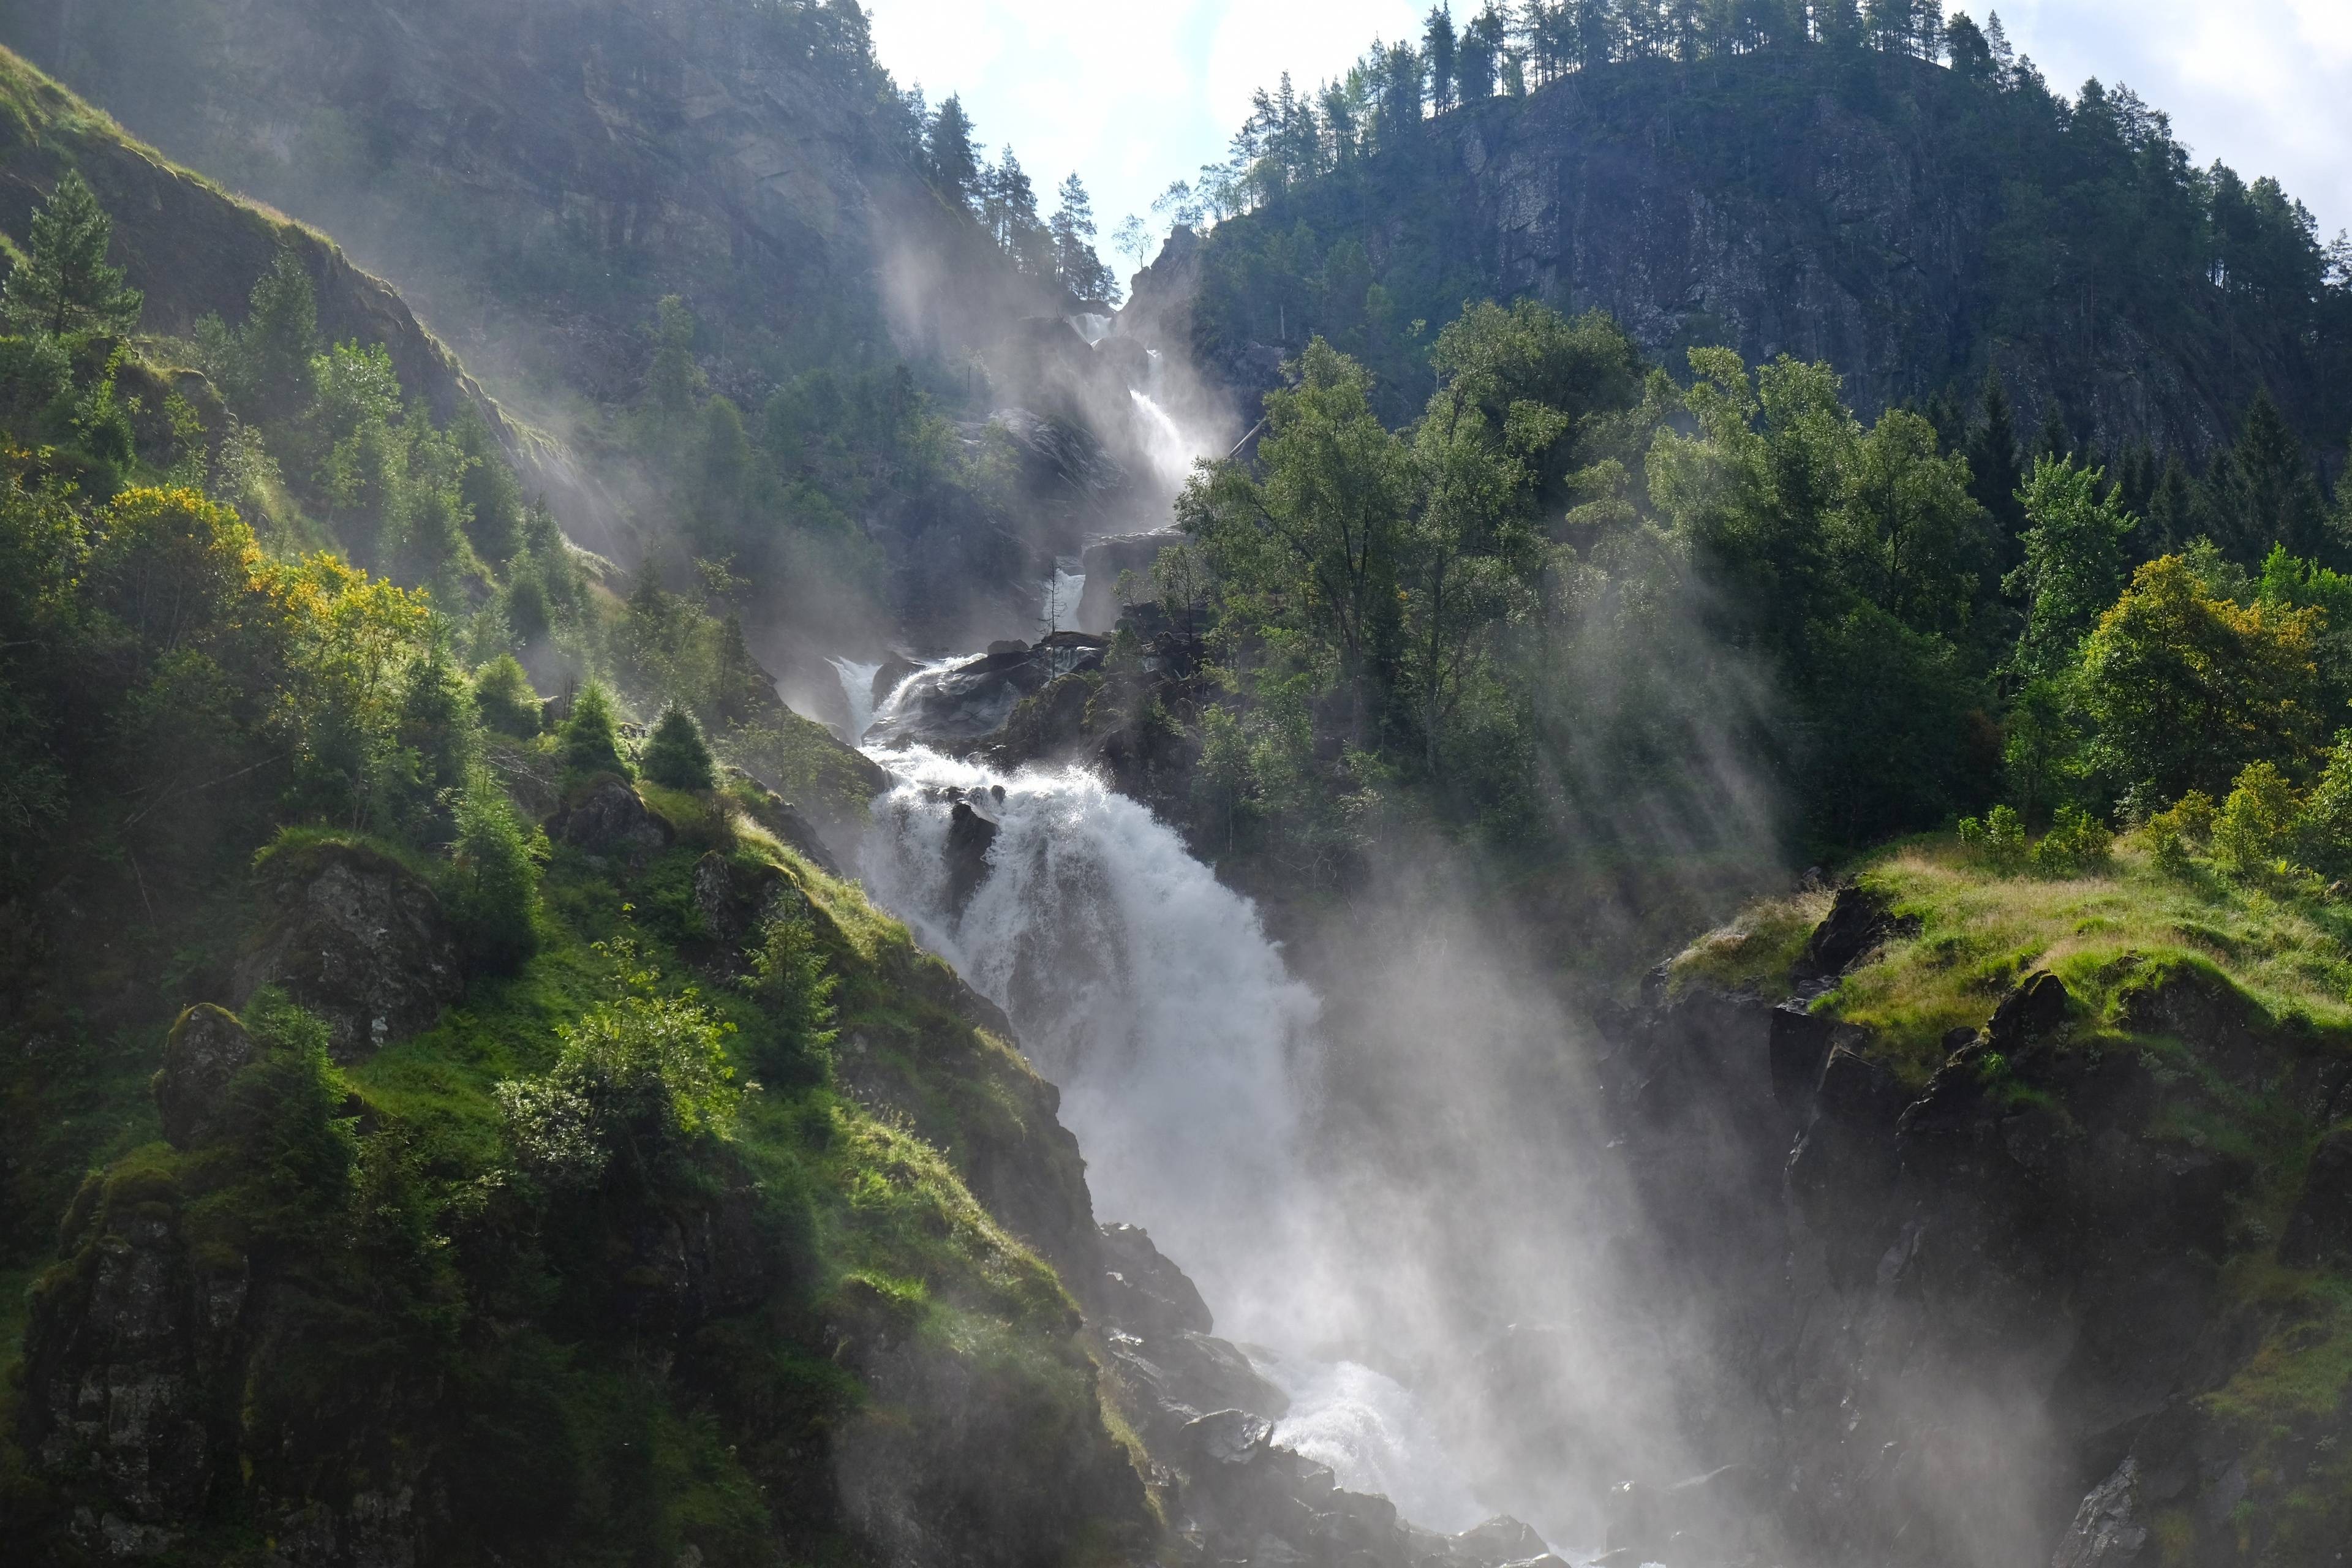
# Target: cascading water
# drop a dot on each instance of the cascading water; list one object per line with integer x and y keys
{"x": 1187, "y": 1059}
{"x": 857, "y": 691}
{"x": 1062, "y": 593}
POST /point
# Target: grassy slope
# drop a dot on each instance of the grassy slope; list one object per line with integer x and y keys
{"x": 2112, "y": 937}
{"x": 883, "y": 1235}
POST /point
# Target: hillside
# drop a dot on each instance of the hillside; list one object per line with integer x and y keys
{"x": 1918, "y": 226}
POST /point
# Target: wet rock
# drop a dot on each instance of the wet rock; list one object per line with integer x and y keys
{"x": 2320, "y": 1230}
{"x": 1798, "y": 1046}
{"x": 1227, "y": 1439}
{"x": 207, "y": 1048}
{"x": 359, "y": 940}
{"x": 2108, "y": 1531}
{"x": 1499, "y": 1540}
{"x": 970, "y": 838}
{"x": 610, "y": 818}
{"x": 735, "y": 900}
{"x": 974, "y": 700}
{"x": 1144, "y": 1293}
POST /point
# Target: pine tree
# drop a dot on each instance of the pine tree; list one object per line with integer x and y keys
{"x": 1439, "y": 47}
{"x": 591, "y": 741}
{"x": 2269, "y": 494}
{"x": 503, "y": 698}
{"x": 1081, "y": 270}
{"x": 953, "y": 156}
{"x": 675, "y": 756}
{"x": 2172, "y": 520}
{"x": 495, "y": 878}
{"x": 1994, "y": 474}
{"x": 63, "y": 286}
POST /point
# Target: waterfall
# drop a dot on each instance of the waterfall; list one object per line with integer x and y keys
{"x": 1145, "y": 989}
{"x": 1171, "y": 454}
{"x": 1060, "y": 596}
{"x": 1188, "y": 1059}
{"x": 858, "y": 690}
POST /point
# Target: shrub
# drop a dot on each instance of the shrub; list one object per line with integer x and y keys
{"x": 504, "y": 697}
{"x": 2254, "y": 831}
{"x": 637, "y": 1078}
{"x": 2326, "y": 830}
{"x": 1998, "y": 841}
{"x": 2077, "y": 842}
{"x": 591, "y": 743}
{"x": 2186, "y": 826}
{"x": 675, "y": 756}
{"x": 494, "y": 880}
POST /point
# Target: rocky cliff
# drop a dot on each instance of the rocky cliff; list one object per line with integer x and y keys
{"x": 1914, "y": 229}
{"x": 2036, "y": 1291}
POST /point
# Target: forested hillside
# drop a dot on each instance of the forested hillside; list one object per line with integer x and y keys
{"x": 1898, "y": 196}
{"x": 704, "y": 249}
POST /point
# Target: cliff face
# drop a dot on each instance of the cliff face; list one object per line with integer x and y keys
{"x": 1911, "y": 228}
{"x": 2052, "y": 1302}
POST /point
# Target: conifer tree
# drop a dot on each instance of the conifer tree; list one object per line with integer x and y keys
{"x": 495, "y": 879}
{"x": 64, "y": 285}
{"x": 1439, "y": 47}
{"x": 2268, "y": 494}
{"x": 591, "y": 741}
{"x": 954, "y": 158}
{"x": 503, "y": 698}
{"x": 1994, "y": 474}
{"x": 675, "y": 756}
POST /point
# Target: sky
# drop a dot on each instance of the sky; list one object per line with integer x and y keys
{"x": 1130, "y": 96}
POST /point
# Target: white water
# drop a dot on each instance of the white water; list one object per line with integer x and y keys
{"x": 858, "y": 690}
{"x": 1372, "y": 1433}
{"x": 1059, "y": 598}
{"x": 1092, "y": 327}
{"x": 1188, "y": 1057}
{"x": 1163, "y": 441}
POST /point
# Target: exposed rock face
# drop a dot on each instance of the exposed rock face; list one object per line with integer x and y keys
{"x": 1859, "y": 923}
{"x": 611, "y": 818}
{"x": 1777, "y": 205}
{"x": 2001, "y": 1284}
{"x": 207, "y": 1048}
{"x": 356, "y": 938}
{"x": 2321, "y": 1228}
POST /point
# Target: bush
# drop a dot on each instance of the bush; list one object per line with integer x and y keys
{"x": 2188, "y": 826}
{"x": 591, "y": 743}
{"x": 504, "y": 698}
{"x": 2326, "y": 830}
{"x": 637, "y": 1078}
{"x": 494, "y": 890}
{"x": 1998, "y": 841}
{"x": 2077, "y": 842}
{"x": 675, "y": 756}
{"x": 2255, "y": 829}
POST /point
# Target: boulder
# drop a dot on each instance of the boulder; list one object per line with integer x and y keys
{"x": 1225, "y": 1440}
{"x": 970, "y": 838}
{"x": 1500, "y": 1540}
{"x": 609, "y": 818}
{"x": 358, "y": 938}
{"x": 1858, "y": 924}
{"x": 207, "y": 1048}
{"x": 2107, "y": 1532}
{"x": 735, "y": 900}
{"x": 2033, "y": 1011}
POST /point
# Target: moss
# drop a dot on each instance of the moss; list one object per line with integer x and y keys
{"x": 1755, "y": 951}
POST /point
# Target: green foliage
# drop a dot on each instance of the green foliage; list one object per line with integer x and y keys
{"x": 675, "y": 756}
{"x": 2255, "y": 830}
{"x": 639, "y": 1078}
{"x": 504, "y": 699}
{"x": 1998, "y": 841}
{"x": 492, "y": 888}
{"x": 2185, "y": 689}
{"x": 2076, "y": 843}
{"x": 794, "y": 985}
{"x": 2074, "y": 561}
{"x": 63, "y": 286}
{"x": 589, "y": 738}
{"x": 264, "y": 367}
{"x": 2184, "y": 828}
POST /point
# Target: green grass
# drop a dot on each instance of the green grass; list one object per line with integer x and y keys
{"x": 1754, "y": 952}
